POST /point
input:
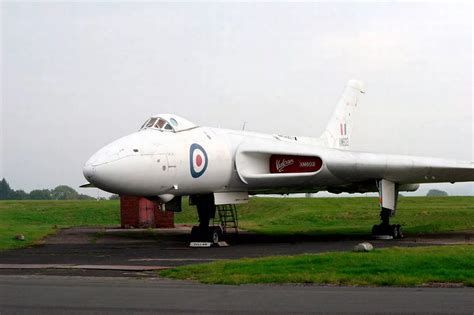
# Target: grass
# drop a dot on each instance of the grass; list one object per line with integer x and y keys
{"x": 36, "y": 219}
{"x": 385, "y": 267}
{"x": 277, "y": 216}
{"x": 323, "y": 216}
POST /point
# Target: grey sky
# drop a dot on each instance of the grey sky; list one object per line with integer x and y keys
{"x": 76, "y": 76}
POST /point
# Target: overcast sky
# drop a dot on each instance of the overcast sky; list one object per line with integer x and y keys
{"x": 76, "y": 76}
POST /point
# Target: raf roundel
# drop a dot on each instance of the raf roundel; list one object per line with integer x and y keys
{"x": 197, "y": 160}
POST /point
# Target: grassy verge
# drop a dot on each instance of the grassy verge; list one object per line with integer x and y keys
{"x": 36, "y": 219}
{"x": 385, "y": 267}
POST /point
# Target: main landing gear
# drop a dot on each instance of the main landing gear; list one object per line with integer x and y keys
{"x": 388, "y": 192}
{"x": 385, "y": 229}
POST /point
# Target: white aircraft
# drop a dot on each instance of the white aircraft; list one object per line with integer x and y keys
{"x": 170, "y": 157}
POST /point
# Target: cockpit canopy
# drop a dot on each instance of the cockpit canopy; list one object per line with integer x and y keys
{"x": 168, "y": 122}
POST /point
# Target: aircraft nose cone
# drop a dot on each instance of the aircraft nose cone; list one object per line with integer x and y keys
{"x": 115, "y": 165}
{"x": 103, "y": 168}
{"x": 88, "y": 171}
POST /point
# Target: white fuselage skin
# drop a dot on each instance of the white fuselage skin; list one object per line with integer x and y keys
{"x": 151, "y": 162}
{"x": 154, "y": 162}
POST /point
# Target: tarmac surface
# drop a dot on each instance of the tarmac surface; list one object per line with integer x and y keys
{"x": 86, "y": 295}
{"x": 116, "y": 252}
{"x": 93, "y": 270}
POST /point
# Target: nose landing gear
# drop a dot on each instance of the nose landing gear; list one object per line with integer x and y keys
{"x": 208, "y": 234}
{"x": 205, "y": 235}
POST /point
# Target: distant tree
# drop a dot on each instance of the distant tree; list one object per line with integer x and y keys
{"x": 5, "y": 190}
{"x": 19, "y": 195}
{"x": 61, "y": 192}
{"x": 43, "y": 194}
{"x": 114, "y": 197}
{"x": 437, "y": 193}
{"x": 64, "y": 192}
{"x": 85, "y": 197}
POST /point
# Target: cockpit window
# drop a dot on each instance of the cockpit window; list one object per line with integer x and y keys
{"x": 144, "y": 124}
{"x": 169, "y": 123}
{"x": 151, "y": 122}
{"x": 161, "y": 122}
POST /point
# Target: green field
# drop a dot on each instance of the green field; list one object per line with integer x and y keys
{"x": 36, "y": 219}
{"x": 348, "y": 215}
{"x": 385, "y": 267}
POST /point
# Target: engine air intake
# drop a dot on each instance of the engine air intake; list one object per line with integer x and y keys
{"x": 294, "y": 164}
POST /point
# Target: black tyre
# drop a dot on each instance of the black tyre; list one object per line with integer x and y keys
{"x": 215, "y": 237}
{"x": 375, "y": 230}
{"x": 195, "y": 233}
{"x": 216, "y": 234}
{"x": 400, "y": 231}
{"x": 395, "y": 231}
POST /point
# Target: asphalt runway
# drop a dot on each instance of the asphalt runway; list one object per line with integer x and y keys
{"x": 86, "y": 295}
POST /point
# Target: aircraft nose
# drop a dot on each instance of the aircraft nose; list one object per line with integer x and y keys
{"x": 100, "y": 171}
{"x": 93, "y": 168}
{"x": 89, "y": 171}
{"x": 116, "y": 165}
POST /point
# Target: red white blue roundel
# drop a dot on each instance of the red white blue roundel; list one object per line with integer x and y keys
{"x": 197, "y": 160}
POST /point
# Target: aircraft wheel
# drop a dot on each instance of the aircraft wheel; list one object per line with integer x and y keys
{"x": 216, "y": 234}
{"x": 194, "y": 233}
{"x": 400, "y": 231}
{"x": 395, "y": 231}
{"x": 376, "y": 230}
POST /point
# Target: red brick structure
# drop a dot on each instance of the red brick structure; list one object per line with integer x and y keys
{"x": 139, "y": 212}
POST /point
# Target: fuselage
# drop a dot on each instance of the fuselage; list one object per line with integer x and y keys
{"x": 200, "y": 160}
{"x": 169, "y": 156}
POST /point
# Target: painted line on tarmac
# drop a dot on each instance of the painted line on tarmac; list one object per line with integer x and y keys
{"x": 89, "y": 267}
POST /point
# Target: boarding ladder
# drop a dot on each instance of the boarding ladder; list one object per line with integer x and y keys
{"x": 228, "y": 218}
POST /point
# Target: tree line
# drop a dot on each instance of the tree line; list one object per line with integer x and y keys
{"x": 61, "y": 192}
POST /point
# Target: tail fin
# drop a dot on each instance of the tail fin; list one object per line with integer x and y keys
{"x": 339, "y": 128}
